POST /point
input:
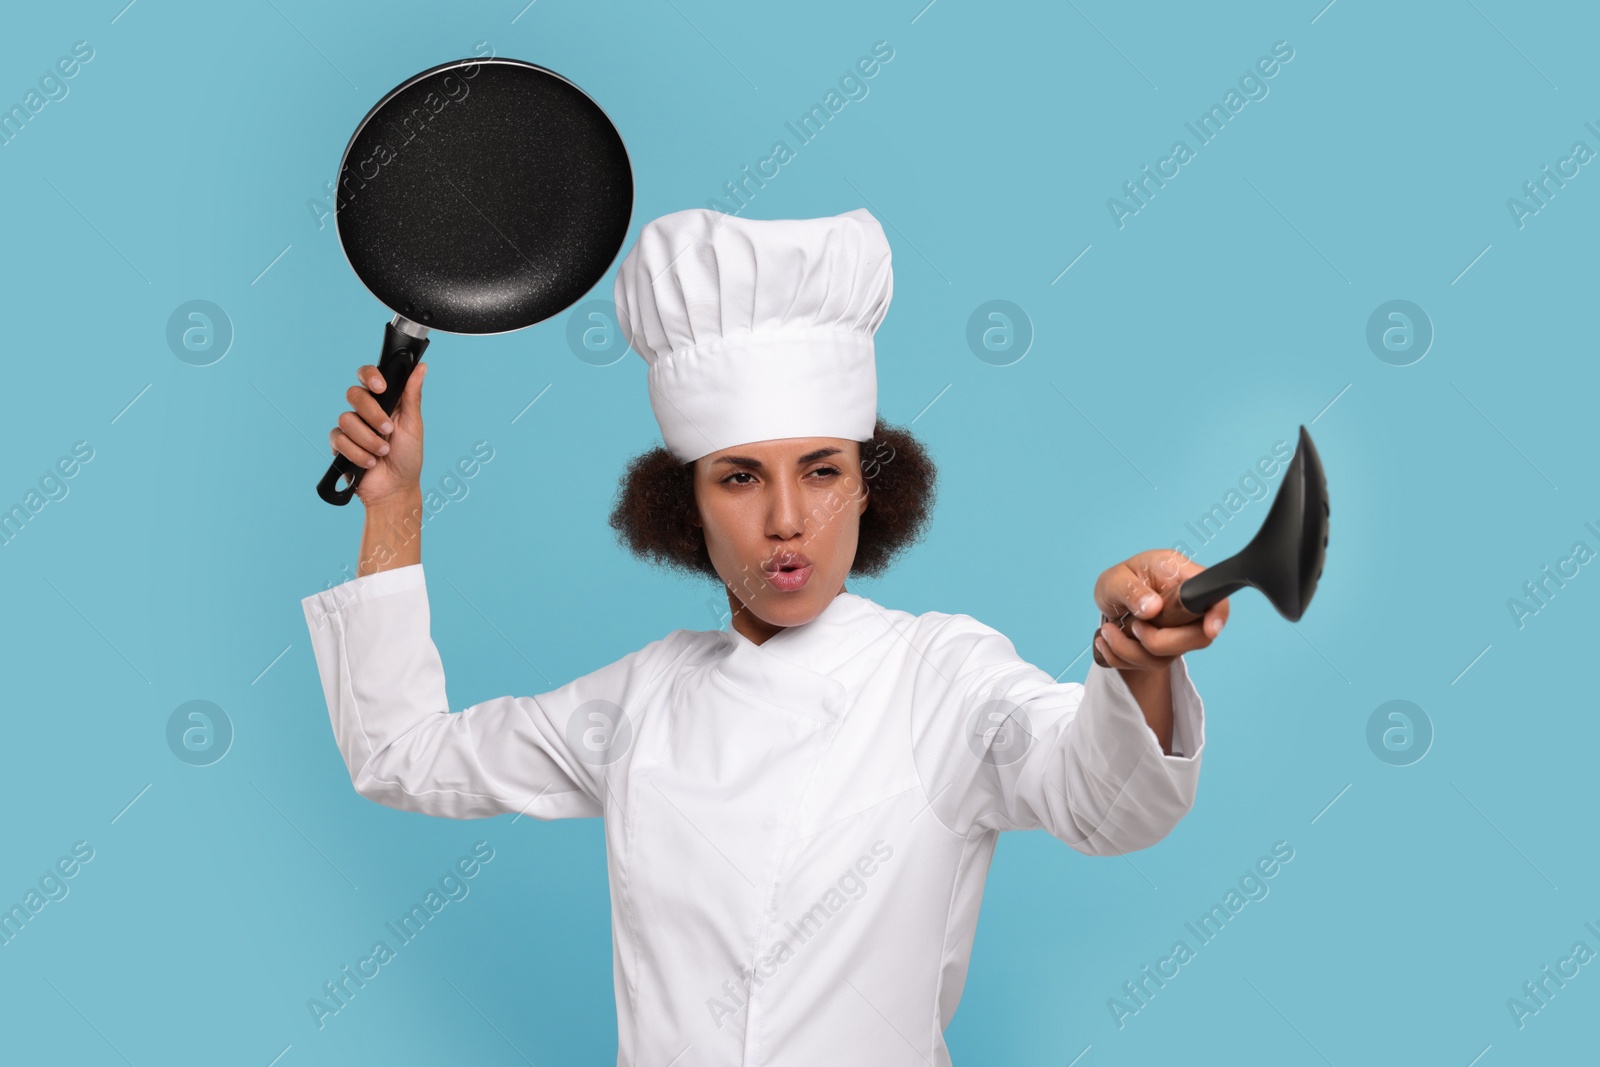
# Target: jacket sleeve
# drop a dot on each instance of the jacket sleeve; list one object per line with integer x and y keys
{"x": 1000, "y": 745}
{"x": 543, "y": 756}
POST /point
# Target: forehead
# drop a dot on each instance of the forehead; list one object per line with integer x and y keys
{"x": 782, "y": 450}
{"x": 780, "y": 453}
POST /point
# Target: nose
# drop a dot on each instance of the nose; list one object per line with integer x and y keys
{"x": 785, "y": 510}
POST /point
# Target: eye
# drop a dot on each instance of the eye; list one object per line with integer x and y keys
{"x": 825, "y": 472}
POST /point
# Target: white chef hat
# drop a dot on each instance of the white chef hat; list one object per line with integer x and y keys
{"x": 756, "y": 329}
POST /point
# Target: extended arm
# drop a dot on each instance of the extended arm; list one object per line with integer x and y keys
{"x": 1152, "y": 628}
{"x": 1001, "y": 745}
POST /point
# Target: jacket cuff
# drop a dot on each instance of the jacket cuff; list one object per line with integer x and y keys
{"x": 1153, "y": 790}
{"x": 1108, "y": 691}
{"x": 319, "y": 606}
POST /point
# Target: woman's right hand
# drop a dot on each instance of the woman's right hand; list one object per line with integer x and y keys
{"x": 389, "y": 447}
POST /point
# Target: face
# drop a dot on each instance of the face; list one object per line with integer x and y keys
{"x": 761, "y": 501}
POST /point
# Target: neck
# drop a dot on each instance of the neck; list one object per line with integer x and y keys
{"x": 751, "y": 626}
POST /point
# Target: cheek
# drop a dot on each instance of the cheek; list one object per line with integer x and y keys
{"x": 852, "y": 536}
{"x": 721, "y": 526}
{"x": 721, "y": 547}
{"x": 841, "y": 527}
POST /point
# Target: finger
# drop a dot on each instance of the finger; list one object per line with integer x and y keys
{"x": 1127, "y": 649}
{"x": 1128, "y": 593}
{"x": 1106, "y": 658}
{"x": 366, "y": 405}
{"x": 349, "y": 449}
{"x": 369, "y": 376}
{"x": 1169, "y": 571}
{"x": 1170, "y": 641}
{"x": 1122, "y": 622}
{"x": 1216, "y": 618}
{"x": 1164, "y": 567}
{"x": 356, "y": 428}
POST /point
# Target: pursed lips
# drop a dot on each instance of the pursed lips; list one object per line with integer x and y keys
{"x": 786, "y": 561}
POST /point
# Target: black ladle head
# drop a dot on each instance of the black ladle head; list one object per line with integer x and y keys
{"x": 1284, "y": 559}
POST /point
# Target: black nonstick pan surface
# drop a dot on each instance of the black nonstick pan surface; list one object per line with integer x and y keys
{"x": 478, "y": 197}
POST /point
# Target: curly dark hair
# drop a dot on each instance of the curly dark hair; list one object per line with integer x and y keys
{"x": 654, "y": 507}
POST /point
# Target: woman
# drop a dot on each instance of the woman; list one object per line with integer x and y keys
{"x": 800, "y": 810}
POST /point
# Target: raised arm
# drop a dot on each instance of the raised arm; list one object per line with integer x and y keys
{"x": 1000, "y": 745}
{"x": 390, "y": 448}
{"x": 384, "y": 683}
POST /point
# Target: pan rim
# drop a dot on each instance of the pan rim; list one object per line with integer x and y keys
{"x": 455, "y": 64}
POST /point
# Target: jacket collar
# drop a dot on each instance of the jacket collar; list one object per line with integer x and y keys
{"x": 792, "y": 669}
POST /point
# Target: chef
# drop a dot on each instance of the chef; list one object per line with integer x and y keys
{"x": 800, "y": 809}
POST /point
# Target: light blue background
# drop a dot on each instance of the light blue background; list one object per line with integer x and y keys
{"x": 1227, "y": 312}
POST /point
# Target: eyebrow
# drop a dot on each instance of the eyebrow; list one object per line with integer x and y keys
{"x": 747, "y": 461}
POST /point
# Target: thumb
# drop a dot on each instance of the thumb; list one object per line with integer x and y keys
{"x": 411, "y": 399}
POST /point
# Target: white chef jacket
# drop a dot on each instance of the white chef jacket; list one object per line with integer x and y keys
{"x": 797, "y": 832}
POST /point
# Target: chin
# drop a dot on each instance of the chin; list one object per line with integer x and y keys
{"x": 792, "y": 609}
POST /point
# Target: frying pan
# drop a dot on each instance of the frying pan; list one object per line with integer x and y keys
{"x": 478, "y": 197}
{"x": 1284, "y": 559}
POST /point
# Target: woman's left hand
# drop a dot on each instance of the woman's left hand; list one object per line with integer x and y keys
{"x": 1142, "y": 593}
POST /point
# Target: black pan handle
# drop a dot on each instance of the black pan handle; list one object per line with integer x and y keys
{"x": 401, "y": 353}
{"x": 1212, "y": 584}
